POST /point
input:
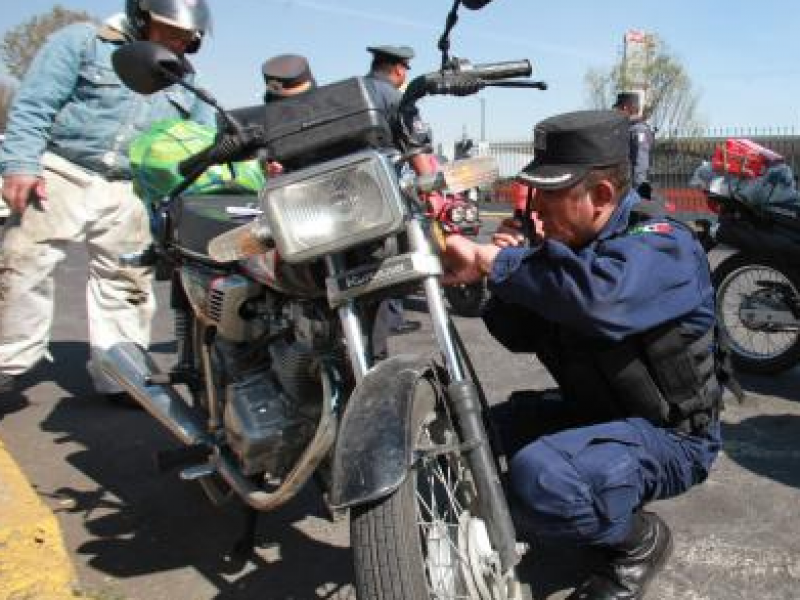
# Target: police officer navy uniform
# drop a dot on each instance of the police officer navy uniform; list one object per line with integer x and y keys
{"x": 622, "y": 316}
{"x": 387, "y": 75}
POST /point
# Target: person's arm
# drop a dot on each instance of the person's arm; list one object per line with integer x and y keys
{"x": 621, "y": 286}
{"x": 466, "y": 261}
{"x": 46, "y": 88}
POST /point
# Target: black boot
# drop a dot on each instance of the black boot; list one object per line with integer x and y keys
{"x": 632, "y": 564}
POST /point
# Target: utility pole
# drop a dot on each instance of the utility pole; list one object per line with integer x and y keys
{"x": 483, "y": 119}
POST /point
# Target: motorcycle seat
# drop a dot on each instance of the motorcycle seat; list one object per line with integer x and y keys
{"x": 195, "y": 220}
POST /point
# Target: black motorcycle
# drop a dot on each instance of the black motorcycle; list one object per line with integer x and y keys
{"x": 758, "y": 285}
{"x": 273, "y": 318}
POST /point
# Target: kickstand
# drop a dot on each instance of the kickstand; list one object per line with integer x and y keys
{"x": 245, "y": 546}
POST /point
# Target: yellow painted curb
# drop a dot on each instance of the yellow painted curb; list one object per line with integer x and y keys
{"x": 34, "y": 564}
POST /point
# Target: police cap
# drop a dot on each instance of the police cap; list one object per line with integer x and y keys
{"x": 568, "y": 146}
{"x": 286, "y": 71}
{"x": 393, "y": 54}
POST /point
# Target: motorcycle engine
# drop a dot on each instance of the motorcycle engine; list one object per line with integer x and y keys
{"x": 274, "y": 395}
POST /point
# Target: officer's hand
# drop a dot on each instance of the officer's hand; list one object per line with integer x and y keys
{"x": 465, "y": 261}
{"x": 20, "y": 190}
{"x": 508, "y": 234}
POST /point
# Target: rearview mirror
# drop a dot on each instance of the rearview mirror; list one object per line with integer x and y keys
{"x": 147, "y": 67}
{"x": 475, "y": 4}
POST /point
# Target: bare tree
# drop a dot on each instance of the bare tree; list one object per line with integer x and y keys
{"x": 21, "y": 43}
{"x": 7, "y": 90}
{"x": 670, "y": 102}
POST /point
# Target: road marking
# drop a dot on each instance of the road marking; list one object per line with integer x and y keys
{"x": 33, "y": 560}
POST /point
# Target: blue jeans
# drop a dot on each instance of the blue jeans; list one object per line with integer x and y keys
{"x": 584, "y": 484}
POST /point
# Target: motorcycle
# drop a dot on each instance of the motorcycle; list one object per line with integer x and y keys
{"x": 273, "y": 316}
{"x": 757, "y": 287}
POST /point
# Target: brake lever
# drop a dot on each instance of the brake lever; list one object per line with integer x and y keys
{"x": 538, "y": 85}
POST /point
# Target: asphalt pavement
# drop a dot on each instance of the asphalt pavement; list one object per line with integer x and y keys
{"x": 136, "y": 534}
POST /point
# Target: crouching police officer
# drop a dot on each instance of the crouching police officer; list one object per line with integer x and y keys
{"x": 622, "y": 316}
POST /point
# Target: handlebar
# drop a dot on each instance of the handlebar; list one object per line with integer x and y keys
{"x": 229, "y": 147}
{"x": 499, "y": 70}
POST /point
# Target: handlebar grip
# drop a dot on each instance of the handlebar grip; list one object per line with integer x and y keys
{"x": 196, "y": 163}
{"x": 501, "y": 70}
{"x": 232, "y": 147}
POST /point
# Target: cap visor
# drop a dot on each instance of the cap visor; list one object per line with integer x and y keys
{"x": 552, "y": 177}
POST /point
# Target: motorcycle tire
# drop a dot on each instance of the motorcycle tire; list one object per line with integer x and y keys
{"x": 427, "y": 539}
{"x": 469, "y": 299}
{"x": 754, "y": 349}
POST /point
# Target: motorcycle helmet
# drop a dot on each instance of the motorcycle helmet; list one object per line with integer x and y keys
{"x": 192, "y": 15}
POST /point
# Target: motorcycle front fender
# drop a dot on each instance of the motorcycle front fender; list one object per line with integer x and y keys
{"x": 374, "y": 447}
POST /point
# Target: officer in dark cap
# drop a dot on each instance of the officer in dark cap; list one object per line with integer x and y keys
{"x": 286, "y": 75}
{"x": 641, "y": 141}
{"x": 388, "y": 73}
{"x": 622, "y": 316}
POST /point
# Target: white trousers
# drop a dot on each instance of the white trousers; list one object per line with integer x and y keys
{"x": 109, "y": 220}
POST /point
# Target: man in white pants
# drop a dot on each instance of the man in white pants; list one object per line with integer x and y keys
{"x": 66, "y": 178}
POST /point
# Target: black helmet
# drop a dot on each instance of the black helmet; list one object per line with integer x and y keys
{"x": 192, "y": 15}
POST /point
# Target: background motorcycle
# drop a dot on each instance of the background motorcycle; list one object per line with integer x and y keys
{"x": 272, "y": 320}
{"x": 758, "y": 286}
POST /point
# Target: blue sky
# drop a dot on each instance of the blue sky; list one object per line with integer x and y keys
{"x": 742, "y": 57}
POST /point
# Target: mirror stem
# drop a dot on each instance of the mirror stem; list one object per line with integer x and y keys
{"x": 444, "y": 41}
{"x": 231, "y": 126}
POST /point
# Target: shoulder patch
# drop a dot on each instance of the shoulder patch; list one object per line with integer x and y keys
{"x": 663, "y": 228}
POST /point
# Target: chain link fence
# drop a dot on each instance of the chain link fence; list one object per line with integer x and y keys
{"x": 674, "y": 159}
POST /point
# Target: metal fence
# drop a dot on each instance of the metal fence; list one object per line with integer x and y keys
{"x": 511, "y": 156}
{"x": 674, "y": 159}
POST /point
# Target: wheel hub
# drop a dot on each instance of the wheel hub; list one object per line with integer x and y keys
{"x": 765, "y": 310}
{"x": 481, "y": 568}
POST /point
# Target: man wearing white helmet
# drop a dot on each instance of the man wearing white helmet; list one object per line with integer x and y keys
{"x": 66, "y": 178}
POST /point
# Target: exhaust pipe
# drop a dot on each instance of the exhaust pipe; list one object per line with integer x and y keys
{"x": 131, "y": 367}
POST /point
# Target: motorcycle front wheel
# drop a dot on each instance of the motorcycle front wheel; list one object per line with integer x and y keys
{"x": 756, "y": 304}
{"x": 427, "y": 539}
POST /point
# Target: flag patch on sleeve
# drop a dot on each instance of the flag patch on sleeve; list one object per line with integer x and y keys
{"x": 663, "y": 228}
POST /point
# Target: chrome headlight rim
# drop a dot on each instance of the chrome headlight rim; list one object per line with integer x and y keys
{"x": 342, "y": 214}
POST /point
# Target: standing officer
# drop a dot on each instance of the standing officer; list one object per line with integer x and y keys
{"x": 66, "y": 177}
{"x": 622, "y": 316}
{"x": 388, "y": 73}
{"x": 641, "y": 142}
{"x": 286, "y": 75}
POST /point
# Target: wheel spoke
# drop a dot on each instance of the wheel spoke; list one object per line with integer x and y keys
{"x": 745, "y": 285}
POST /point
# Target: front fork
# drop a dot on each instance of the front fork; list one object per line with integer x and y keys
{"x": 463, "y": 395}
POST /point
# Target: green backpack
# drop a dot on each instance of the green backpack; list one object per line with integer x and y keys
{"x": 156, "y": 154}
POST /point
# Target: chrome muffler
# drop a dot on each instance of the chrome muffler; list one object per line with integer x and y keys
{"x": 131, "y": 367}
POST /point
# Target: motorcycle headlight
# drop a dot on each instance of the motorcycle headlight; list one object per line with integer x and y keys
{"x": 471, "y": 214}
{"x": 332, "y": 206}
